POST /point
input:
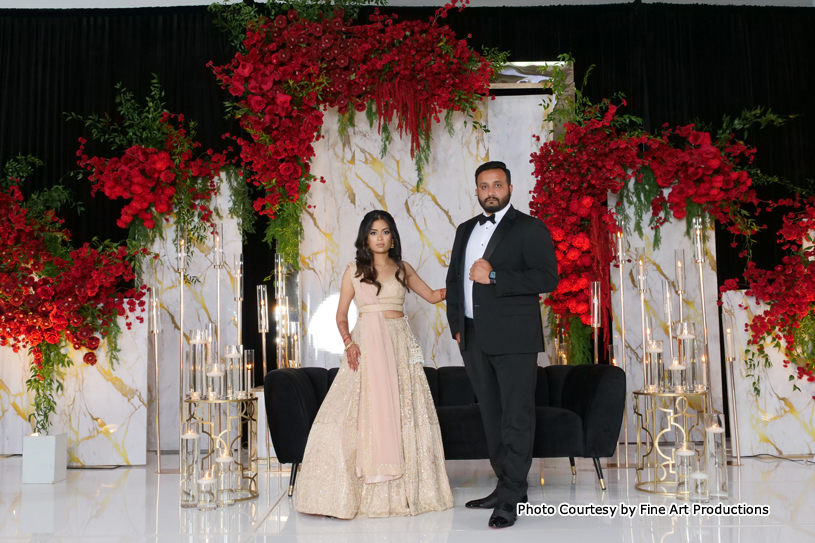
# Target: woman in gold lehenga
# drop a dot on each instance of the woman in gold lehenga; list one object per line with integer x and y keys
{"x": 375, "y": 447}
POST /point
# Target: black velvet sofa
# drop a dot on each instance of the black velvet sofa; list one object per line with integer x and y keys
{"x": 579, "y": 412}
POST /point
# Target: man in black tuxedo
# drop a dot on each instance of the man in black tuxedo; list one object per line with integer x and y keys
{"x": 501, "y": 262}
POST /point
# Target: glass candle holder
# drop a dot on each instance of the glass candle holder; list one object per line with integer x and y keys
{"x": 215, "y": 382}
{"x": 716, "y": 456}
{"x": 676, "y": 377}
{"x": 263, "y": 309}
{"x": 211, "y": 332}
{"x": 225, "y": 496}
{"x": 239, "y": 278}
{"x": 654, "y": 350}
{"x": 155, "y": 314}
{"x": 614, "y": 354}
{"x": 700, "y": 369}
{"x": 249, "y": 363}
{"x": 642, "y": 280}
{"x": 680, "y": 270}
{"x": 684, "y": 463}
{"x": 232, "y": 356}
{"x": 190, "y": 440}
{"x": 564, "y": 344}
{"x": 595, "y": 304}
{"x": 685, "y": 334}
{"x": 698, "y": 482}
{"x": 206, "y": 491}
{"x": 198, "y": 359}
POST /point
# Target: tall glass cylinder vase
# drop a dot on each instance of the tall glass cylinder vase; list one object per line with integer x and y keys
{"x": 206, "y": 491}
{"x": 716, "y": 456}
{"x": 249, "y": 364}
{"x": 197, "y": 367}
{"x": 653, "y": 350}
{"x": 215, "y": 382}
{"x": 686, "y": 351}
{"x": 190, "y": 447}
{"x": 233, "y": 354}
{"x": 684, "y": 457}
{"x": 225, "y": 495}
{"x": 700, "y": 369}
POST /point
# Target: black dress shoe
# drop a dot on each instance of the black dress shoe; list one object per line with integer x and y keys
{"x": 490, "y": 502}
{"x": 503, "y": 516}
{"x": 483, "y": 503}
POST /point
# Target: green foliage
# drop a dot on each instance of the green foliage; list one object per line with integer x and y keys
{"x": 141, "y": 124}
{"x": 422, "y": 158}
{"x": 286, "y": 230}
{"x": 55, "y": 362}
{"x": 240, "y": 205}
{"x": 580, "y": 337}
{"x": 387, "y": 139}
{"x": 19, "y": 168}
{"x": 370, "y": 113}
{"x": 345, "y": 122}
{"x": 497, "y": 59}
{"x": 573, "y": 106}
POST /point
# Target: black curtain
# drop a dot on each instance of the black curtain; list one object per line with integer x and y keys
{"x": 675, "y": 63}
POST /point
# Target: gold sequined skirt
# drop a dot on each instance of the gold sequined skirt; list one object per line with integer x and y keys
{"x": 327, "y": 483}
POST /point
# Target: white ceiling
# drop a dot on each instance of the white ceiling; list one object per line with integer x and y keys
{"x": 71, "y": 4}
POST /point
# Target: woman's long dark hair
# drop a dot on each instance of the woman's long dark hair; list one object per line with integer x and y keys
{"x": 365, "y": 257}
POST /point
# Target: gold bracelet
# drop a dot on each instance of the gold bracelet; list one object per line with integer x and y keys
{"x": 349, "y": 346}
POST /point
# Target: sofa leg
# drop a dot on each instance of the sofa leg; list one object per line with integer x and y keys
{"x": 599, "y": 473}
{"x": 574, "y": 469}
{"x": 293, "y": 477}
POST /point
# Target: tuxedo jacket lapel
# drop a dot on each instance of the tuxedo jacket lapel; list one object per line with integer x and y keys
{"x": 500, "y": 232}
{"x": 465, "y": 238}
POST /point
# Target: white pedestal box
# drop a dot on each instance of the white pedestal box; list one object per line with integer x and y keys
{"x": 45, "y": 459}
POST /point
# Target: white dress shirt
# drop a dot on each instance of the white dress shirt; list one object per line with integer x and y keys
{"x": 476, "y": 245}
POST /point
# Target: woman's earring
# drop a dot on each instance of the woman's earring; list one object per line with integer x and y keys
{"x": 392, "y": 244}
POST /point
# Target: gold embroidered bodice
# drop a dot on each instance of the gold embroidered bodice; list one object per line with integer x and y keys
{"x": 391, "y": 297}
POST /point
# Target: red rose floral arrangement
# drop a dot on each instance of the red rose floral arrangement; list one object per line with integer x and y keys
{"x": 291, "y": 67}
{"x": 53, "y": 296}
{"x": 679, "y": 173}
{"x": 788, "y": 290}
{"x": 157, "y": 173}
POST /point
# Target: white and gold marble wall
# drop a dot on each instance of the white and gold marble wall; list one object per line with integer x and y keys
{"x": 103, "y": 408}
{"x": 200, "y": 308}
{"x": 358, "y": 181}
{"x": 780, "y": 420}
{"x": 660, "y": 265}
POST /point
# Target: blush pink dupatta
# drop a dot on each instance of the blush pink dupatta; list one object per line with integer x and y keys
{"x": 379, "y": 437}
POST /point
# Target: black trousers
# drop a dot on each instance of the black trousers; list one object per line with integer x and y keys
{"x": 505, "y": 387}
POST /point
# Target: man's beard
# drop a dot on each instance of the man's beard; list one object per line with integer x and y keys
{"x": 493, "y": 205}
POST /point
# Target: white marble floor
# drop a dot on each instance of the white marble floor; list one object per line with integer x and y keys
{"x": 135, "y": 504}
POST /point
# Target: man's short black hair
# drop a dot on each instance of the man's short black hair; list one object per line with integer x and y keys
{"x": 493, "y": 165}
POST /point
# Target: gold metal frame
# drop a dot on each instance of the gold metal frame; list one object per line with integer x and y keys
{"x": 223, "y": 423}
{"x": 683, "y": 415}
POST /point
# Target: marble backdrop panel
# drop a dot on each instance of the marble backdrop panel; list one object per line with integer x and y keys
{"x": 779, "y": 420}
{"x": 358, "y": 180}
{"x": 200, "y": 309}
{"x": 102, "y": 408}
{"x": 661, "y": 265}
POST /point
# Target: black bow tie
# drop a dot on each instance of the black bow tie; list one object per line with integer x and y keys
{"x": 484, "y": 218}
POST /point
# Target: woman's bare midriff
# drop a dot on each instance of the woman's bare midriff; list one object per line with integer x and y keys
{"x": 393, "y": 314}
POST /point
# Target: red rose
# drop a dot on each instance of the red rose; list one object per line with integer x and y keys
{"x": 286, "y": 169}
{"x": 257, "y": 103}
{"x": 245, "y": 69}
{"x": 84, "y": 333}
{"x": 280, "y": 21}
{"x": 92, "y": 343}
{"x": 90, "y": 359}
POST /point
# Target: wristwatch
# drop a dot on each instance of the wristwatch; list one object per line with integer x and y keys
{"x": 492, "y": 277}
